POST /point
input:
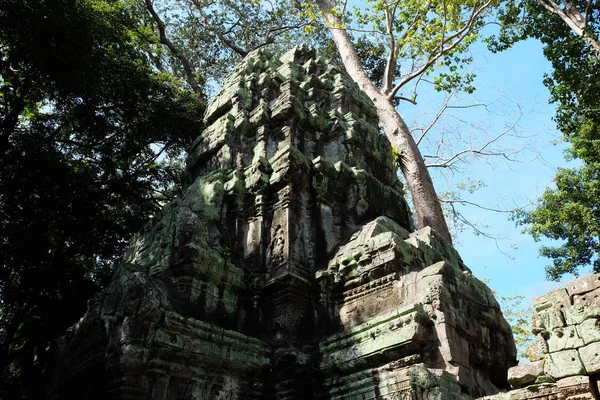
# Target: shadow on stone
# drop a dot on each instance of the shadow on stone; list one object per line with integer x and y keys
{"x": 290, "y": 268}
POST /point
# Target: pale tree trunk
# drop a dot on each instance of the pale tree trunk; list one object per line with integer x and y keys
{"x": 574, "y": 19}
{"x": 425, "y": 200}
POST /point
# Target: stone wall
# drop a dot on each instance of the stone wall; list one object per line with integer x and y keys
{"x": 289, "y": 268}
{"x": 565, "y": 360}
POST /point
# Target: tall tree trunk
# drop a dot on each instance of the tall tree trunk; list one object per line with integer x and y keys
{"x": 425, "y": 200}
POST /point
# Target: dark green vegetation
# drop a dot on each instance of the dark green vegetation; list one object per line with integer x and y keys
{"x": 85, "y": 123}
{"x": 570, "y": 212}
{"x": 93, "y": 124}
{"x": 99, "y": 99}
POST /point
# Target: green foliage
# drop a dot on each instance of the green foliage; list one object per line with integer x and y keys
{"x": 90, "y": 140}
{"x": 373, "y": 56}
{"x": 519, "y": 318}
{"x": 569, "y": 212}
{"x": 397, "y": 156}
{"x": 427, "y": 37}
{"x": 214, "y": 36}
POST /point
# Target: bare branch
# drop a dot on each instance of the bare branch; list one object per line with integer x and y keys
{"x": 470, "y": 203}
{"x": 208, "y": 26}
{"x": 187, "y": 67}
{"x": 435, "y": 120}
{"x": 482, "y": 150}
{"x": 399, "y": 98}
{"x": 274, "y": 32}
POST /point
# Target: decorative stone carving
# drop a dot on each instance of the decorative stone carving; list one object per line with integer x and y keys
{"x": 289, "y": 268}
{"x": 567, "y": 354}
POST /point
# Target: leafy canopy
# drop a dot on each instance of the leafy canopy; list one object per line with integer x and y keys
{"x": 213, "y": 36}
{"x": 86, "y": 121}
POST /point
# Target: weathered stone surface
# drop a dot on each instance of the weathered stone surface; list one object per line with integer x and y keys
{"x": 289, "y": 268}
{"x": 549, "y": 300}
{"x": 564, "y": 338}
{"x": 525, "y": 374}
{"x": 457, "y": 321}
{"x": 568, "y": 344}
{"x": 583, "y": 285}
{"x": 571, "y": 388}
{"x": 590, "y": 357}
{"x": 589, "y": 330}
{"x": 563, "y": 363}
{"x": 576, "y": 388}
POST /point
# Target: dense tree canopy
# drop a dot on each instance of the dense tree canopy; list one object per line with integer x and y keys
{"x": 98, "y": 101}
{"x": 85, "y": 124}
{"x": 203, "y": 39}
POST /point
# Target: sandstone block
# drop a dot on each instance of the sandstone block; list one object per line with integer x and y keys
{"x": 525, "y": 374}
{"x": 535, "y": 352}
{"x": 575, "y": 315}
{"x": 590, "y": 356}
{"x": 563, "y": 363}
{"x": 584, "y": 285}
{"x": 563, "y": 338}
{"x": 589, "y": 330}
{"x": 549, "y": 300}
{"x": 588, "y": 299}
{"x": 576, "y": 388}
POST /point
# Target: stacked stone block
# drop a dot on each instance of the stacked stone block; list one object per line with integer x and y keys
{"x": 289, "y": 268}
{"x": 565, "y": 359}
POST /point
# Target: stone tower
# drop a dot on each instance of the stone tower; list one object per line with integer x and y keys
{"x": 290, "y": 268}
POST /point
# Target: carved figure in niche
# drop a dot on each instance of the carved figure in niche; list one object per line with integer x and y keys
{"x": 277, "y": 247}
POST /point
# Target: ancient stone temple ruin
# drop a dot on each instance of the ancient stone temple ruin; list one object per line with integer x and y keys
{"x": 565, "y": 359}
{"x": 289, "y": 268}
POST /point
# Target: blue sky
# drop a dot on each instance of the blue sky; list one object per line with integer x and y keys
{"x": 512, "y": 265}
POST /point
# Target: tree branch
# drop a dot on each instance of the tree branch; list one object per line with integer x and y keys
{"x": 400, "y": 98}
{"x": 442, "y": 110}
{"x": 346, "y": 48}
{"x": 187, "y": 68}
{"x": 447, "y": 162}
{"x": 458, "y": 35}
{"x": 577, "y": 24}
{"x": 239, "y": 50}
{"x": 470, "y": 203}
{"x": 391, "y": 59}
{"x": 586, "y": 17}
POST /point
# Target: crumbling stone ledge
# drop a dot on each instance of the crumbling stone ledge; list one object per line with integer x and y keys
{"x": 565, "y": 360}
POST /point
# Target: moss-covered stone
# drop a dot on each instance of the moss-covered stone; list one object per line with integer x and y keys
{"x": 289, "y": 268}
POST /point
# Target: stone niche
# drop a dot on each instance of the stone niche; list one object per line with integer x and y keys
{"x": 565, "y": 359}
{"x": 289, "y": 268}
